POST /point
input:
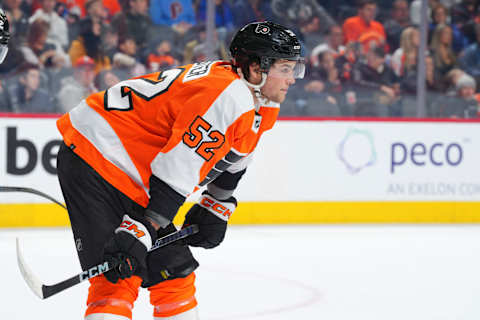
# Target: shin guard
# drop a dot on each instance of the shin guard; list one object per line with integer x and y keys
{"x": 172, "y": 298}
{"x": 111, "y": 301}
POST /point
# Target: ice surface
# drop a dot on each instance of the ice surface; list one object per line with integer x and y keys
{"x": 429, "y": 272}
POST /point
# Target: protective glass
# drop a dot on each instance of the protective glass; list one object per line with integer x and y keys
{"x": 288, "y": 69}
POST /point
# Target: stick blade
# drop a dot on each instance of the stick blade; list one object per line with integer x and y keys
{"x": 31, "y": 280}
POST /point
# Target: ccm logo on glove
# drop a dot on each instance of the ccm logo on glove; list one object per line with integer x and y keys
{"x": 222, "y": 210}
{"x": 136, "y": 229}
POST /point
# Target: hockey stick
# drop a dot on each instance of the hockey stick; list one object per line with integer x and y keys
{"x": 33, "y": 191}
{"x": 44, "y": 291}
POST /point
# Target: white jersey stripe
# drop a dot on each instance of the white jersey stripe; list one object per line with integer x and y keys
{"x": 234, "y": 101}
{"x": 180, "y": 167}
{"x": 97, "y": 130}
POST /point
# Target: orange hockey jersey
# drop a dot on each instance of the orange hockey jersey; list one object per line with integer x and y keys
{"x": 185, "y": 125}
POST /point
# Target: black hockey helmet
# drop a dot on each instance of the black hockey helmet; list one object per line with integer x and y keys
{"x": 264, "y": 43}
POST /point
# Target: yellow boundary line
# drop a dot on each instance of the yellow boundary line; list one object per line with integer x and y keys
{"x": 51, "y": 215}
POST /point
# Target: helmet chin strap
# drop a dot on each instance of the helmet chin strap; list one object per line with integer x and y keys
{"x": 256, "y": 87}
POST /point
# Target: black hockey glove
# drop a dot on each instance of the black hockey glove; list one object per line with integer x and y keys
{"x": 128, "y": 248}
{"x": 211, "y": 216}
{"x": 170, "y": 262}
{"x": 4, "y": 28}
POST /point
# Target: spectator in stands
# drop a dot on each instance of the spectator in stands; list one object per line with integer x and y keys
{"x": 223, "y": 17}
{"x": 400, "y": 19}
{"x": 363, "y": 28}
{"x": 112, "y": 7}
{"x": 310, "y": 32}
{"x": 110, "y": 41}
{"x": 134, "y": 21}
{"x": 306, "y": 17}
{"x": 450, "y": 81}
{"x": 107, "y": 78}
{"x": 442, "y": 50}
{"x": 469, "y": 60}
{"x": 72, "y": 18}
{"x": 246, "y": 11}
{"x": 333, "y": 43}
{"x": 377, "y": 87}
{"x": 58, "y": 32}
{"x": 323, "y": 90}
{"x": 26, "y": 94}
{"x": 76, "y": 7}
{"x": 463, "y": 104}
{"x": 179, "y": 14}
{"x": 464, "y": 16}
{"x": 195, "y": 50}
{"x": 346, "y": 61}
{"x": 126, "y": 57}
{"x": 38, "y": 51}
{"x": 89, "y": 43}
{"x": 407, "y": 53}
{"x": 435, "y": 86}
{"x": 161, "y": 58}
{"x": 440, "y": 16}
{"x": 434, "y": 82}
{"x": 96, "y": 11}
{"x": 17, "y": 18}
{"x": 79, "y": 86}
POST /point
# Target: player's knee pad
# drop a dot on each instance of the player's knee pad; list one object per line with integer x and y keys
{"x": 174, "y": 299}
{"x": 111, "y": 301}
{"x": 170, "y": 262}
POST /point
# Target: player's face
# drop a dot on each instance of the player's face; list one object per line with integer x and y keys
{"x": 280, "y": 77}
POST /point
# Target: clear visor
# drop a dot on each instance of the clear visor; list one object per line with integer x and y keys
{"x": 294, "y": 69}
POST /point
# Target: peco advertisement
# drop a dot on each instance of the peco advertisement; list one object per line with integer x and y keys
{"x": 367, "y": 161}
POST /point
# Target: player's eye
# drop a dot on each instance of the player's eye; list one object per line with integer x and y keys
{"x": 286, "y": 70}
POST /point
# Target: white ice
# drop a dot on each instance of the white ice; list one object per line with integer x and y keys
{"x": 369, "y": 272}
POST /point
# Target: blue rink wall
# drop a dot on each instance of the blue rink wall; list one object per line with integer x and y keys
{"x": 304, "y": 171}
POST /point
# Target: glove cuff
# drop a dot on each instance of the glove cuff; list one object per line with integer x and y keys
{"x": 221, "y": 209}
{"x": 143, "y": 231}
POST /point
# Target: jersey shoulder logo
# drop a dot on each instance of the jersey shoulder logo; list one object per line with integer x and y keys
{"x": 257, "y": 121}
{"x": 198, "y": 70}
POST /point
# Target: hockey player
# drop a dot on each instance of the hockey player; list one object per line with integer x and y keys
{"x": 4, "y": 35}
{"x": 133, "y": 153}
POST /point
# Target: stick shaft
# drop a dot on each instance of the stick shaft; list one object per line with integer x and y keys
{"x": 32, "y": 191}
{"x": 44, "y": 291}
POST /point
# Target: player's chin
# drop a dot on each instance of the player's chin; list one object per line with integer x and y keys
{"x": 279, "y": 98}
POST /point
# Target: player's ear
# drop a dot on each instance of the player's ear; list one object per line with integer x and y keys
{"x": 255, "y": 75}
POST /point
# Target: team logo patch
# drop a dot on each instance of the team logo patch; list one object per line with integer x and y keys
{"x": 263, "y": 29}
{"x": 256, "y": 122}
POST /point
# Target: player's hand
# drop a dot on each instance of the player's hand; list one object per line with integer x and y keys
{"x": 4, "y": 28}
{"x": 211, "y": 215}
{"x": 127, "y": 249}
{"x": 170, "y": 262}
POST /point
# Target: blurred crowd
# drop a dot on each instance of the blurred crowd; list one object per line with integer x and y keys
{"x": 362, "y": 55}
